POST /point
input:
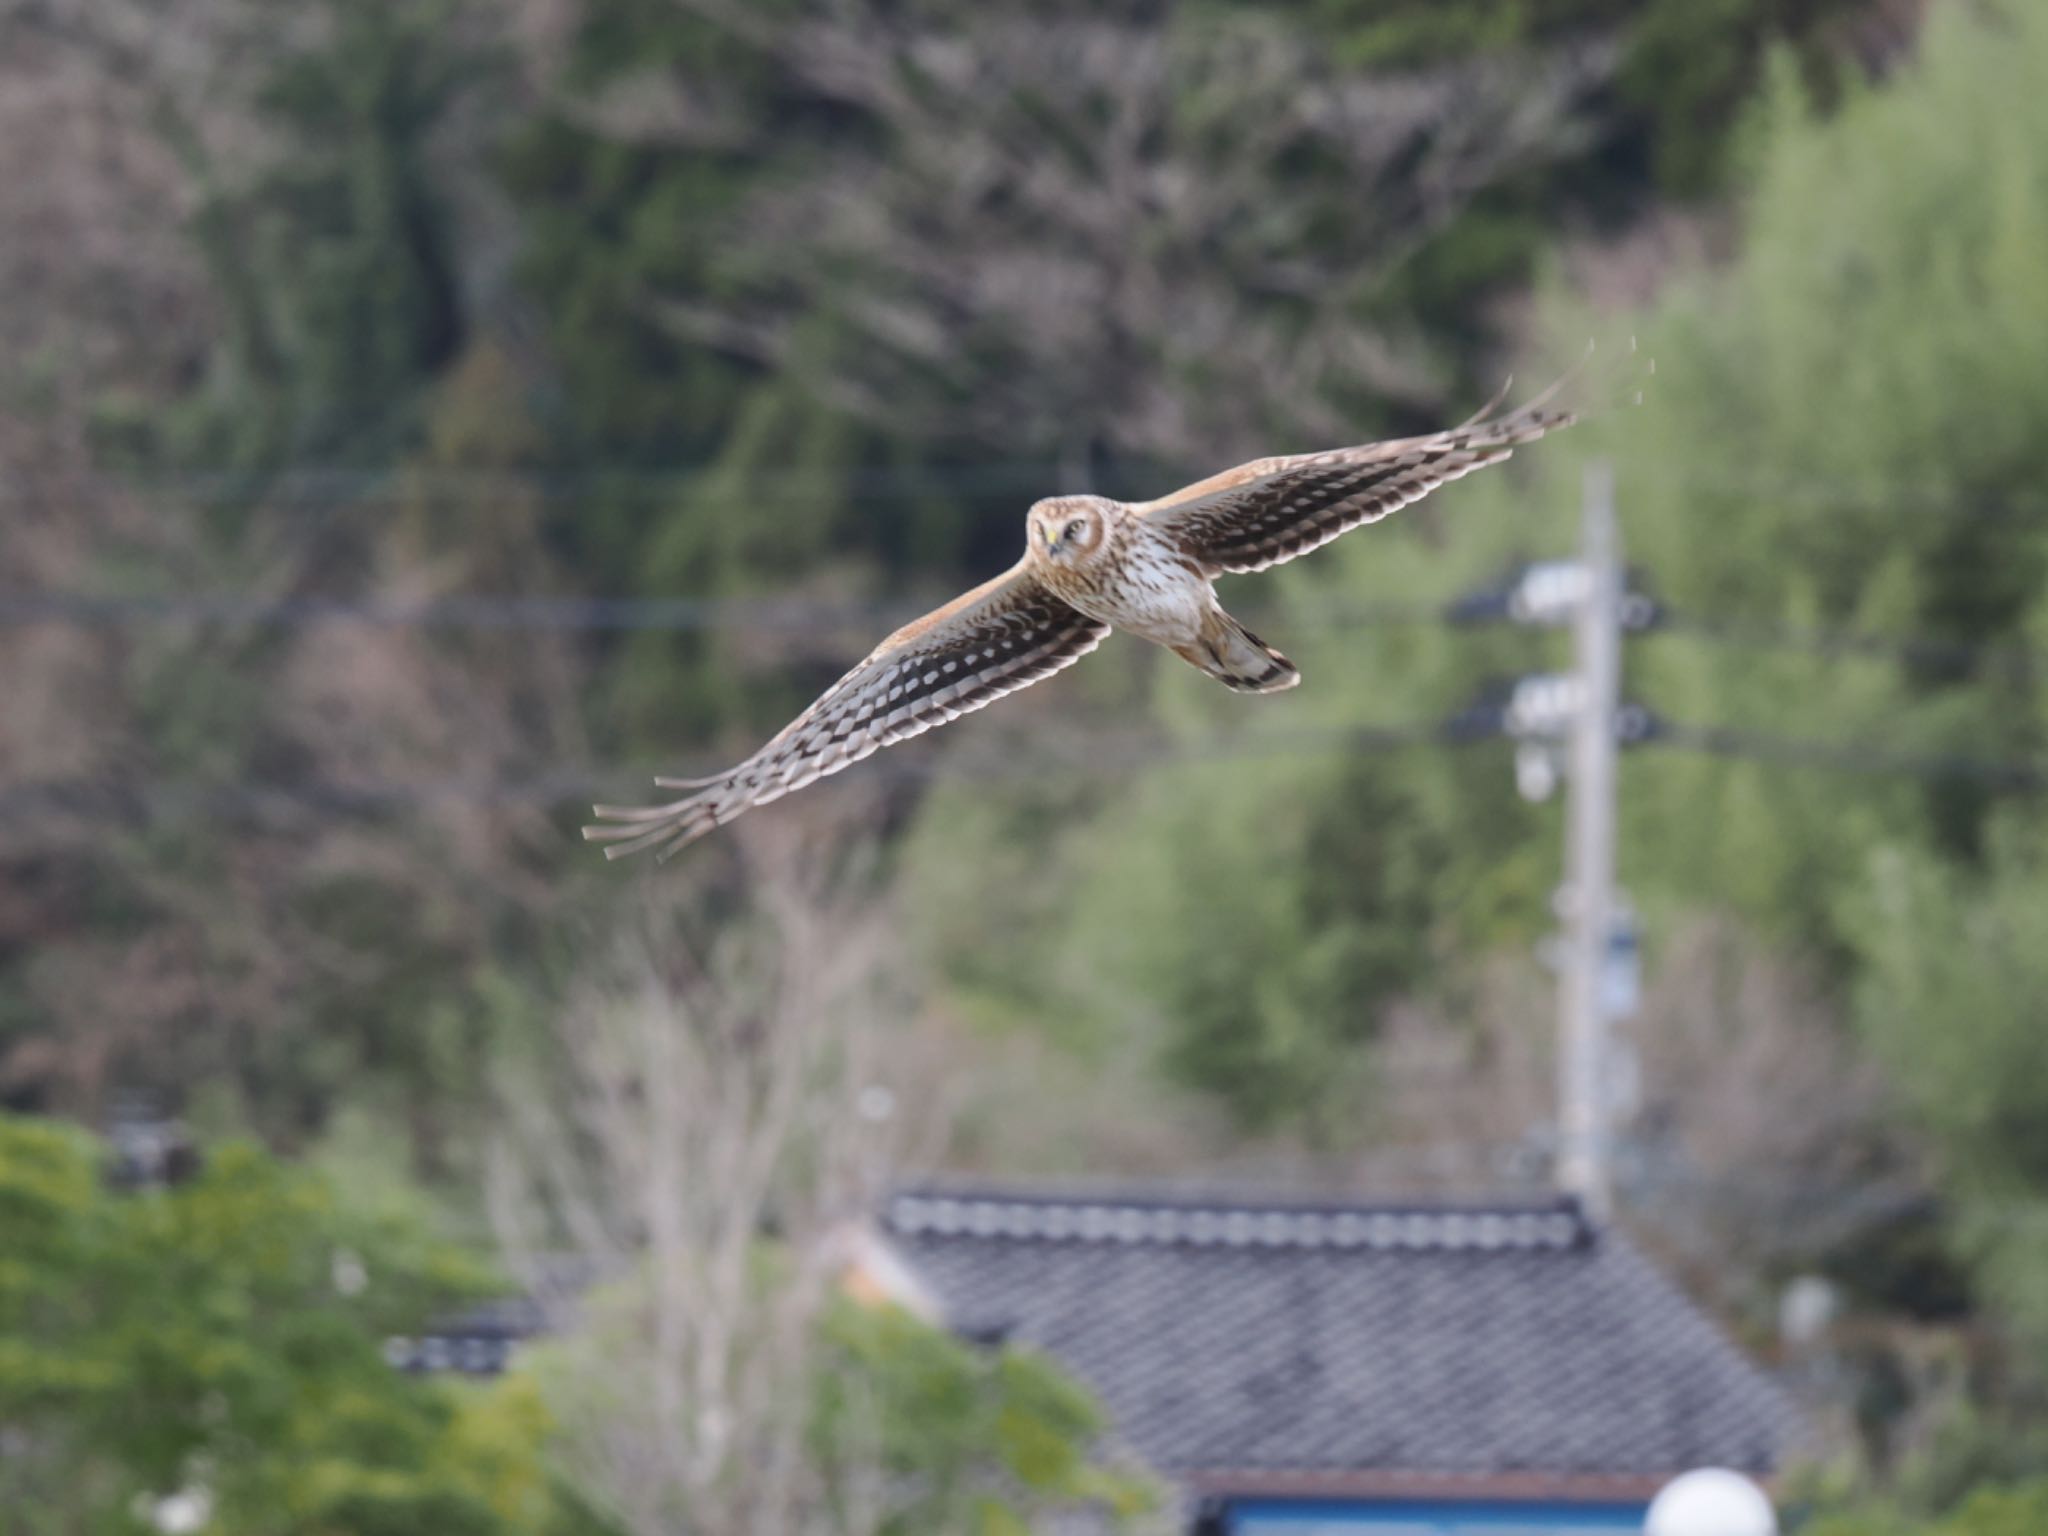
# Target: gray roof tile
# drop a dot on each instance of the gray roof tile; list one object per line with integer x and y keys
{"x": 1467, "y": 1341}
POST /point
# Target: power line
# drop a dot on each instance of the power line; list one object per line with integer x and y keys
{"x": 1835, "y": 495}
{"x": 340, "y": 486}
{"x": 1877, "y": 758}
{"x": 342, "y": 482}
{"x": 1913, "y": 649}
{"x": 104, "y": 800}
{"x": 491, "y": 612}
{"x": 109, "y": 801}
{"x": 497, "y": 612}
{"x": 452, "y": 613}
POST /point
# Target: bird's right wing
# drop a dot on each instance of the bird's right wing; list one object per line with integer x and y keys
{"x": 1002, "y": 636}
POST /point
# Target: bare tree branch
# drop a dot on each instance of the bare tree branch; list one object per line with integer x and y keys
{"x": 710, "y": 1137}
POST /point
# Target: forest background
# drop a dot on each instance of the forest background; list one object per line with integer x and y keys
{"x": 420, "y": 419}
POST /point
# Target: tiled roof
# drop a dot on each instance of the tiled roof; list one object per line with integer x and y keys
{"x": 1238, "y": 1343}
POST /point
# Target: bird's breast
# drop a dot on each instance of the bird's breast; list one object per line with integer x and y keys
{"x": 1146, "y": 589}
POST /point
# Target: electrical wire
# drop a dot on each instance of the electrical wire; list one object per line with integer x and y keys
{"x": 1094, "y": 754}
{"x": 1877, "y": 758}
{"x": 387, "y": 483}
{"x": 339, "y": 486}
{"x": 1099, "y": 753}
{"x": 1911, "y": 649}
{"x": 492, "y": 613}
{"x": 484, "y": 613}
{"x": 1727, "y": 478}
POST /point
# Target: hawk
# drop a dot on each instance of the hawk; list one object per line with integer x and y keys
{"x": 1090, "y": 565}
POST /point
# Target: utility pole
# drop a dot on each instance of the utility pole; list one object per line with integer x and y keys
{"x": 1569, "y": 727}
{"x": 1583, "y": 1150}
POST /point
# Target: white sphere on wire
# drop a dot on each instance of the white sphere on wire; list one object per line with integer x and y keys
{"x": 1711, "y": 1502}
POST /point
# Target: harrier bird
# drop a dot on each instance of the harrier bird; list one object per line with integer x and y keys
{"x": 1090, "y": 565}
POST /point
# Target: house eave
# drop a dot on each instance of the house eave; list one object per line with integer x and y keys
{"x": 1389, "y": 1483}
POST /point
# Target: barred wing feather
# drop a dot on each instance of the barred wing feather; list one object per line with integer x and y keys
{"x": 1002, "y": 636}
{"x": 1267, "y": 512}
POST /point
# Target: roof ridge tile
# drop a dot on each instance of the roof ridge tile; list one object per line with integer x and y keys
{"x": 1235, "y": 1222}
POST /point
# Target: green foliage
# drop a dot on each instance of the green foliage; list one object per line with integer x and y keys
{"x": 1268, "y": 943}
{"x": 1251, "y": 919}
{"x": 717, "y": 478}
{"x": 1841, "y": 434}
{"x": 1849, "y": 431}
{"x": 211, "y": 1336}
{"x": 1845, "y": 430}
{"x": 337, "y": 265}
{"x": 682, "y": 466}
{"x": 1687, "y": 73}
{"x": 2017, "y": 1510}
{"x": 882, "y": 1424}
{"x": 981, "y": 1440}
{"x": 729, "y": 466}
{"x": 1953, "y": 974}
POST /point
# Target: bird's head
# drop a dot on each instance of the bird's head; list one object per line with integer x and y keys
{"x": 1067, "y": 529}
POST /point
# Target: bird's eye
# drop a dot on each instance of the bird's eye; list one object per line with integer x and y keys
{"x": 1072, "y": 530}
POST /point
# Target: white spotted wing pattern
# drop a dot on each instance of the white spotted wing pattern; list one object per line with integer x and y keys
{"x": 1002, "y": 636}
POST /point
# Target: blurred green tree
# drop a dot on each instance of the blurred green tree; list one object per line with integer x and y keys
{"x": 334, "y": 253}
{"x": 1953, "y": 974}
{"x": 874, "y": 276}
{"x": 1842, "y": 435}
{"x": 967, "y": 1439}
{"x": 2017, "y": 1509}
{"x": 220, "y": 1341}
{"x": 1687, "y": 73}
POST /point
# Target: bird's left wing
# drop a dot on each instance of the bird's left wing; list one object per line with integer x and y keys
{"x": 1002, "y": 636}
{"x": 1268, "y": 511}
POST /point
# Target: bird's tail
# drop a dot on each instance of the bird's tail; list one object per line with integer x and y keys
{"x": 1237, "y": 658}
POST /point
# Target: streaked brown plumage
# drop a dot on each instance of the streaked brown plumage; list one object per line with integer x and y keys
{"x": 1090, "y": 565}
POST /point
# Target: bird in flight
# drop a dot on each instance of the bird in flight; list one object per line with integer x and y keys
{"x": 1090, "y": 565}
